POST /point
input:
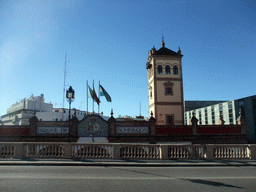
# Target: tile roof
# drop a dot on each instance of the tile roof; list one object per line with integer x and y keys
{"x": 165, "y": 51}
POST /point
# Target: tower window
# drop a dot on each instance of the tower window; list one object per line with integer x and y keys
{"x": 159, "y": 69}
{"x": 169, "y": 120}
{"x": 168, "y": 91}
{"x": 150, "y": 92}
{"x": 175, "y": 70}
{"x": 168, "y": 88}
{"x": 167, "y": 70}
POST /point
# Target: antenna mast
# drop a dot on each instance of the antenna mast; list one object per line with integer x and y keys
{"x": 65, "y": 74}
{"x": 140, "y": 108}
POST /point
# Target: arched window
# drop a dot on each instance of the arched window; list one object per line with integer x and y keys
{"x": 150, "y": 92}
{"x": 168, "y": 91}
{"x": 167, "y": 70}
{"x": 168, "y": 87}
{"x": 175, "y": 70}
{"x": 159, "y": 69}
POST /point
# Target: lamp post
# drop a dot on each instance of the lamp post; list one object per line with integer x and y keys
{"x": 70, "y": 95}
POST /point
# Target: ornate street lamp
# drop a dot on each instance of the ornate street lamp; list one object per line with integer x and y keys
{"x": 70, "y": 95}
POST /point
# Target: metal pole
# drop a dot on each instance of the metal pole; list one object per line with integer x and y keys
{"x": 92, "y": 96}
{"x": 87, "y": 96}
{"x": 69, "y": 120}
{"x": 99, "y": 98}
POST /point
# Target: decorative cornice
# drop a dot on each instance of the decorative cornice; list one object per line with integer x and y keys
{"x": 168, "y": 84}
{"x": 168, "y": 79}
{"x": 168, "y": 103}
{"x": 167, "y": 57}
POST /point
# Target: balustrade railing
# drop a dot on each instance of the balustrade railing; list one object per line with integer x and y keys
{"x": 133, "y": 151}
{"x": 231, "y": 152}
{"x": 7, "y": 150}
{"x": 126, "y": 151}
{"x": 92, "y": 151}
{"x": 180, "y": 152}
{"x": 43, "y": 150}
{"x": 186, "y": 152}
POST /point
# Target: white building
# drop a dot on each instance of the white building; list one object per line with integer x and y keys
{"x": 20, "y": 112}
{"x": 60, "y": 114}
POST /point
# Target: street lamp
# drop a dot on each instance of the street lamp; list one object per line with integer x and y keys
{"x": 70, "y": 95}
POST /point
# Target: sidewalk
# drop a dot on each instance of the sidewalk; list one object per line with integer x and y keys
{"x": 128, "y": 162}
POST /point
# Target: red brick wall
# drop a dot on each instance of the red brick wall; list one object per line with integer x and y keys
{"x": 14, "y": 131}
{"x": 224, "y": 129}
{"x": 177, "y": 130}
{"x": 201, "y": 130}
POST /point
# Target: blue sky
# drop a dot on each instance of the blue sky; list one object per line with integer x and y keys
{"x": 109, "y": 41}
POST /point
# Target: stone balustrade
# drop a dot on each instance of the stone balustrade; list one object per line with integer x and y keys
{"x": 7, "y": 150}
{"x": 135, "y": 151}
{"x": 43, "y": 150}
{"x": 97, "y": 151}
{"x": 126, "y": 151}
{"x": 232, "y": 152}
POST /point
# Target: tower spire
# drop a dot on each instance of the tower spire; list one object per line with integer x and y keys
{"x": 163, "y": 44}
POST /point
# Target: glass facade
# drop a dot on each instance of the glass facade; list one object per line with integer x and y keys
{"x": 213, "y": 115}
{"x": 230, "y": 113}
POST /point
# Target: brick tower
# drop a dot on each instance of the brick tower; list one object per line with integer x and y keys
{"x": 165, "y": 86}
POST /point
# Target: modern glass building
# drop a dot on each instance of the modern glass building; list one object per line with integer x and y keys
{"x": 228, "y": 110}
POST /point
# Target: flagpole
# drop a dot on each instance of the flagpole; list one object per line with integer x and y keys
{"x": 92, "y": 96}
{"x": 99, "y": 98}
{"x": 87, "y": 95}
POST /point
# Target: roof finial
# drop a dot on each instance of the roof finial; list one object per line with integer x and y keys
{"x": 179, "y": 51}
{"x": 111, "y": 112}
{"x": 163, "y": 44}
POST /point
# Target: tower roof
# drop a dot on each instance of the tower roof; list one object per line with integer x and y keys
{"x": 165, "y": 51}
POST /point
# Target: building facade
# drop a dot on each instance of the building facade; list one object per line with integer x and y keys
{"x": 229, "y": 112}
{"x": 20, "y": 112}
{"x": 60, "y": 114}
{"x": 165, "y": 86}
{"x": 191, "y": 105}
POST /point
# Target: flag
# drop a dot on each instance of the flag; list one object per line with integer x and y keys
{"x": 92, "y": 94}
{"x": 103, "y": 92}
{"x": 95, "y": 98}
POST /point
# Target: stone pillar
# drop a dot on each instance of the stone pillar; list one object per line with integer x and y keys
{"x": 68, "y": 150}
{"x": 164, "y": 152}
{"x": 152, "y": 123}
{"x": 193, "y": 121}
{"x": 242, "y": 121}
{"x": 253, "y": 151}
{"x": 112, "y": 125}
{"x": 117, "y": 151}
{"x": 73, "y": 128}
{"x": 209, "y": 152}
{"x": 18, "y": 150}
{"x": 33, "y": 127}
